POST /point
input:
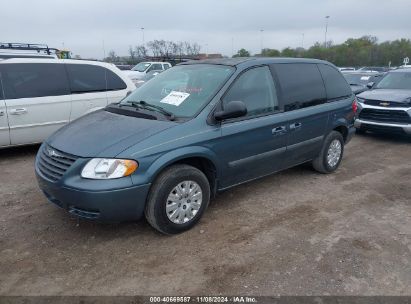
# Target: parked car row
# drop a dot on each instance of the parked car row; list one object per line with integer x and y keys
{"x": 165, "y": 149}
{"x": 39, "y": 96}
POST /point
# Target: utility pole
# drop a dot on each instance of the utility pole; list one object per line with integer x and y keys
{"x": 142, "y": 32}
{"x": 326, "y": 30}
{"x": 261, "y": 32}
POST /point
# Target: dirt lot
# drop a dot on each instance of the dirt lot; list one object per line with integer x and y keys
{"x": 297, "y": 232}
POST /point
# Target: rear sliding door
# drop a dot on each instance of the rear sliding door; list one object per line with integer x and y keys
{"x": 303, "y": 97}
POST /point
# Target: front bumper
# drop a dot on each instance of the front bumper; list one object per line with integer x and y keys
{"x": 373, "y": 126}
{"x": 115, "y": 200}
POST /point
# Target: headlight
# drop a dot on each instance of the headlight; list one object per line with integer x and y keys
{"x": 362, "y": 100}
{"x": 105, "y": 168}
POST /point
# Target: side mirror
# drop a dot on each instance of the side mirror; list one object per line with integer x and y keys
{"x": 128, "y": 93}
{"x": 370, "y": 85}
{"x": 233, "y": 109}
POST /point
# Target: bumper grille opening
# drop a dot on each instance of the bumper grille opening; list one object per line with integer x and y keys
{"x": 390, "y": 116}
{"x": 53, "y": 163}
{"x": 382, "y": 129}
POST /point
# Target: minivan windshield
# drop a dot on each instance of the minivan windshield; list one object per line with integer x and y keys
{"x": 141, "y": 67}
{"x": 182, "y": 90}
{"x": 395, "y": 80}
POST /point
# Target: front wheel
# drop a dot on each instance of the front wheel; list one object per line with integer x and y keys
{"x": 331, "y": 153}
{"x": 177, "y": 199}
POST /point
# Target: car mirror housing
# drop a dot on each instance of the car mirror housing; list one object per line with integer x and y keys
{"x": 370, "y": 85}
{"x": 233, "y": 109}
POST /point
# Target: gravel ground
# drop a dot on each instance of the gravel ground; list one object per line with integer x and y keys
{"x": 293, "y": 233}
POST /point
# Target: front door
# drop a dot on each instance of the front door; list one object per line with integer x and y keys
{"x": 4, "y": 126}
{"x": 37, "y": 98}
{"x": 254, "y": 145}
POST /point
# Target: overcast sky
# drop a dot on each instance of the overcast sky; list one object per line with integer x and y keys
{"x": 219, "y": 26}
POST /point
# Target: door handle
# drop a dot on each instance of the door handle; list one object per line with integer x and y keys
{"x": 1, "y": 113}
{"x": 279, "y": 130}
{"x": 18, "y": 111}
{"x": 295, "y": 126}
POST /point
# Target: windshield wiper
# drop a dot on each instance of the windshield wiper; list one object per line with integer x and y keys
{"x": 143, "y": 104}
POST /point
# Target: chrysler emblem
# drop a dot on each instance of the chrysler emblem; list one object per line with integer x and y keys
{"x": 384, "y": 104}
{"x": 52, "y": 153}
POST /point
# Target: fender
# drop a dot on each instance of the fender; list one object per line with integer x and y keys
{"x": 92, "y": 110}
{"x": 174, "y": 156}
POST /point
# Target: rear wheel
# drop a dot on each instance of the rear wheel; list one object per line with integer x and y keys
{"x": 177, "y": 199}
{"x": 331, "y": 153}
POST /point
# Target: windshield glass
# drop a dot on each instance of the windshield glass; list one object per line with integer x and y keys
{"x": 141, "y": 67}
{"x": 182, "y": 90}
{"x": 396, "y": 80}
{"x": 358, "y": 79}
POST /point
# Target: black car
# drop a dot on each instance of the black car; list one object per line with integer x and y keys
{"x": 387, "y": 106}
{"x": 362, "y": 81}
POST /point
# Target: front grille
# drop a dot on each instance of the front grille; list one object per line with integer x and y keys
{"x": 389, "y": 116}
{"x": 382, "y": 129}
{"x": 388, "y": 104}
{"x": 53, "y": 163}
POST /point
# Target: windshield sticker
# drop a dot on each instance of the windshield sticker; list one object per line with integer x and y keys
{"x": 365, "y": 77}
{"x": 175, "y": 98}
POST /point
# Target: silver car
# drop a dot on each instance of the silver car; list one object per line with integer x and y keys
{"x": 387, "y": 106}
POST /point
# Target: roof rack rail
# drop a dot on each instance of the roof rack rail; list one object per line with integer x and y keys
{"x": 28, "y": 46}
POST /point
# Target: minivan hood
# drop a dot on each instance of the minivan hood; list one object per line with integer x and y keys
{"x": 387, "y": 95}
{"x": 104, "y": 134}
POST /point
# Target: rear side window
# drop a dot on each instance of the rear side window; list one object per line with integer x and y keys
{"x": 256, "y": 89}
{"x": 27, "y": 80}
{"x": 301, "y": 85}
{"x": 86, "y": 78}
{"x": 155, "y": 67}
{"x": 335, "y": 83}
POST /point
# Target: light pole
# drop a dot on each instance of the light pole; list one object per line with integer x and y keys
{"x": 326, "y": 30}
{"x": 302, "y": 41}
{"x": 142, "y": 32}
{"x": 261, "y": 46}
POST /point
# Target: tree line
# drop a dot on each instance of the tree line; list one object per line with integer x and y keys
{"x": 156, "y": 48}
{"x": 364, "y": 51}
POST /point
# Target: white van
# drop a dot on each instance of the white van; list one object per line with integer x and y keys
{"x": 38, "y": 96}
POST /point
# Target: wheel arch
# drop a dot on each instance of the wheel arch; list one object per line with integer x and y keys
{"x": 199, "y": 157}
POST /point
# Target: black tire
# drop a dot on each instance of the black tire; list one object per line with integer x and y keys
{"x": 155, "y": 210}
{"x": 320, "y": 164}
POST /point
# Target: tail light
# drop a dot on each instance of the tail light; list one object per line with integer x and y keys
{"x": 355, "y": 106}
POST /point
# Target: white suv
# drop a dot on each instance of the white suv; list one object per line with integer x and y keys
{"x": 141, "y": 69}
{"x": 38, "y": 96}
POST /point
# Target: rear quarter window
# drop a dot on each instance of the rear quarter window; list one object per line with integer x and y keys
{"x": 335, "y": 83}
{"x": 301, "y": 85}
{"x": 93, "y": 78}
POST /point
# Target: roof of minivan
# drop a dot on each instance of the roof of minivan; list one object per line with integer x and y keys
{"x": 52, "y": 60}
{"x": 253, "y": 61}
